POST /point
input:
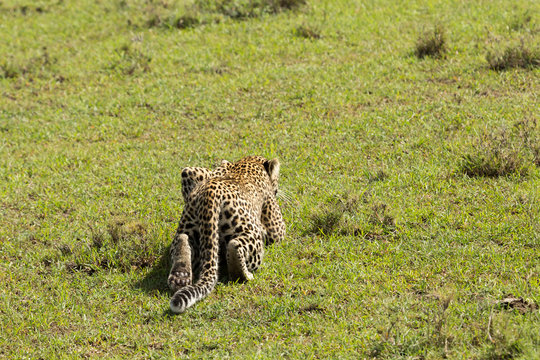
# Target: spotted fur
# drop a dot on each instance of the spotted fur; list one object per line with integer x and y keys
{"x": 230, "y": 213}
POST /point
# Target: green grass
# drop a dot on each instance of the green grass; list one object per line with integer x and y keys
{"x": 399, "y": 245}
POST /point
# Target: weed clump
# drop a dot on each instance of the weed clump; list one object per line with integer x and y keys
{"x": 328, "y": 219}
{"x": 503, "y": 152}
{"x": 128, "y": 61}
{"x": 431, "y": 43}
{"x": 378, "y": 175}
{"x": 343, "y": 215}
{"x": 239, "y": 9}
{"x": 514, "y": 56}
{"x": 307, "y": 32}
{"x": 35, "y": 66}
{"x": 211, "y": 11}
{"x": 185, "y": 21}
{"x": 124, "y": 246}
{"x": 520, "y": 22}
{"x": 380, "y": 216}
{"x": 8, "y": 70}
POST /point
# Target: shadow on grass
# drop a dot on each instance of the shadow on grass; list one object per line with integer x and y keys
{"x": 155, "y": 281}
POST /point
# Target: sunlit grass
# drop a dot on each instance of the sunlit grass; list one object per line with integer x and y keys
{"x": 410, "y": 186}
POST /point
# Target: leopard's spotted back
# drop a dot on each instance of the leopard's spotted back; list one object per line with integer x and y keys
{"x": 230, "y": 213}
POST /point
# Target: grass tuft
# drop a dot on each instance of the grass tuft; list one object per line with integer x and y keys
{"x": 493, "y": 161}
{"x": 343, "y": 215}
{"x": 124, "y": 230}
{"x": 239, "y": 9}
{"x": 378, "y": 175}
{"x": 431, "y": 43}
{"x": 311, "y": 309}
{"x": 514, "y": 56}
{"x": 9, "y": 70}
{"x": 503, "y": 152}
{"x": 380, "y": 216}
{"x": 124, "y": 246}
{"x": 129, "y": 61}
{"x": 307, "y": 32}
{"x": 206, "y": 11}
{"x": 326, "y": 222}
{"x": 35, "y": 66}
{"x": 328, "y": 219}
{"x": 186, "y": 21}
{"x": 504, "y": 344}
{"x": 521, "y": 21}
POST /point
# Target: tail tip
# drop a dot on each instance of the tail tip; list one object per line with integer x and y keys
{"x": 177, "y": 305}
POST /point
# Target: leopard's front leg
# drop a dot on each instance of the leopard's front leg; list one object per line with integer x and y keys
{"x": 272, "y": 222}
{"x": 244, "y": 255}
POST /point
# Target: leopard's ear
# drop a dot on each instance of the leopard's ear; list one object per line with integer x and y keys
{"x": 272, "y": 168}
{"x": 223, "y": 162}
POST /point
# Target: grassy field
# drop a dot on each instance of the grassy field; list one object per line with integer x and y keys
{"x": 409, "y": 141}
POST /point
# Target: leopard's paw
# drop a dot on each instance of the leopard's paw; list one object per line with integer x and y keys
{"x": 179, "y": 279}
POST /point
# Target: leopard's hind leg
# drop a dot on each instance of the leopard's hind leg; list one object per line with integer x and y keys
{"x": 180, "y": 274}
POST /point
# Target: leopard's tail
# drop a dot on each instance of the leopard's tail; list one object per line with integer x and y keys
{"x": 189, "y": 295}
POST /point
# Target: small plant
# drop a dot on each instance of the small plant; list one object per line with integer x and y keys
{"x": 514, "y": 56}
{"x": 307, "y": 32}
{"x": 431, "y": 43}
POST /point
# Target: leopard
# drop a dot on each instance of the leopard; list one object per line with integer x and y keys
{"x": 230, "y": 214}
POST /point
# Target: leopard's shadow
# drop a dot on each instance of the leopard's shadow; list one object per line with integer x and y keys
{"x": 155, "y": 281}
